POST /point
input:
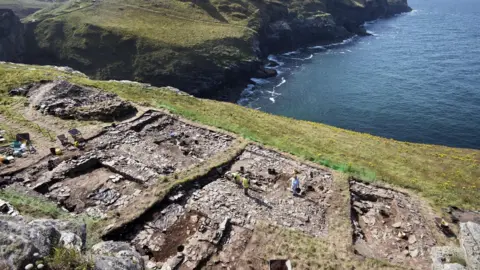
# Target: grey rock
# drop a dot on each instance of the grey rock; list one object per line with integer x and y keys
{"x": 70, "y": 101}
{"x": 173, "y": 262}
{"x": 77, "y": 228}
{"x": 442, "y": 255}
{"x": 414, "y": 253}
{"x": 151, "y": 265}
{"x": 412, "y": 239}
{"x": 112, "y": 255}
{"x": 470, "y": 242}
{"x": 397, "y": 224}
{"x": 29, "y": 266}
{"x": 25, "y": 242}
{"x": 71, "y": 241}
{"x": 453, "y": 266}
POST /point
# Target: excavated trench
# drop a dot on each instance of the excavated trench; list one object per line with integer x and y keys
{"x": 389, "y": 225}
{"x": 211, "y": 215}
{"x": 123, "y": 160}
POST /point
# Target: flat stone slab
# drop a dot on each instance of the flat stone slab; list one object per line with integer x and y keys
{"x": 442, "y": 258}
{"x": 470, "y": 242}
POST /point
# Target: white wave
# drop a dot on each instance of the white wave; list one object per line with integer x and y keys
{"x": 291, "y": 53}
{"x": 317, "y": 48}
{"x": 346, "y": 41}
{"x": 259, "y": 81}
{"x": 371, "y": 33}
{"x": 272, "y": 99}
{"x": 275, "y": 59}
{"x": 349, "y": 51}
{"x": 370, "y": 22}
{"x": 281, "y": 83}
{"x": 413, "y": 12}
{"x": 248, "y": 89}
{"x": 243, "y": 101}
{"x": 301, "y": 59}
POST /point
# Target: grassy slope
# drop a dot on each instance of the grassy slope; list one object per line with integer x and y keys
{"x": 155, "y": 41}
{"x": 175, "y": 23}
{"x": 446, "y": 176}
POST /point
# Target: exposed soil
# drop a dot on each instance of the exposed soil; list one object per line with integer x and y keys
{"x": 176, "y": 235}
{"x": 389, "y": 225}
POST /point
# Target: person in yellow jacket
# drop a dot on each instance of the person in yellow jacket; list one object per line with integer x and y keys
{"x": 246, "y": 185}
{"x": 242, "y": 180}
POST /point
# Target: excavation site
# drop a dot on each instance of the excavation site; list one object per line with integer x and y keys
{"x": 212, "y": 215}
{"x": 177, "y": 195}
{"x": 121, "y": 162}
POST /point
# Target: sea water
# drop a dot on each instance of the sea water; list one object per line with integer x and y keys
{"x": 416, "y": 78}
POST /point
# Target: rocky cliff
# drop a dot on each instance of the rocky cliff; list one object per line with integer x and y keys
{"x": 202, "y": 47}
{"x": 12, "y": 46}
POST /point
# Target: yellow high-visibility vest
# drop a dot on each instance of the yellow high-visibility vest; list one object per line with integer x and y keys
{"x": 245, "y": 183}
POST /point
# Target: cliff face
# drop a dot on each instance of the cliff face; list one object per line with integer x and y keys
{"x": 204, "y": 48}
{"x": 12, "y": 46}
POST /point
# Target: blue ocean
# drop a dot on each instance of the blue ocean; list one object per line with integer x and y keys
{"x": 416, "y": 78}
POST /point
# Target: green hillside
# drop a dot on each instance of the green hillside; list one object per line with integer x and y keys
{"x": 204, "y": 47}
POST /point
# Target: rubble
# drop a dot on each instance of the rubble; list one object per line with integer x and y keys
{"x": 389, "y": 225}
{"x": 70, "y": 101}
{"x": 117, "y": 165}
{"x": 217, "y": 218}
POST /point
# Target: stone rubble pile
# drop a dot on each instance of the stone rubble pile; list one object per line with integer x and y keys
{"x": 389, "y": 225}
{"x": 225, "y": 198}
{"x": 198, "y": 215}
{"x": 69, "y": 101}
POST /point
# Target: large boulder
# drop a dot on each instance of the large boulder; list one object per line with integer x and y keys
{"x": 12, "y": 44}
{"x": 470, "y": 242}
{"x": 23, "y": 243}
{"x": 112, "y": 255}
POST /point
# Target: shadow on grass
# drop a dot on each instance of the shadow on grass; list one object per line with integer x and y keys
{"x": 210, "y": 9}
